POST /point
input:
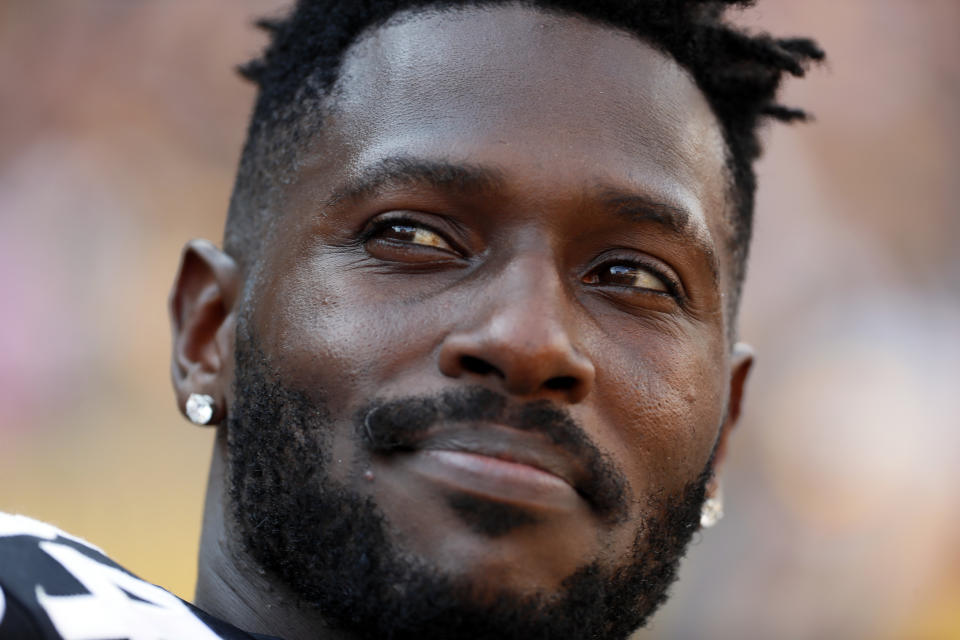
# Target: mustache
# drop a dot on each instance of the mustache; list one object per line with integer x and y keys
{"x": 399, "y": 424}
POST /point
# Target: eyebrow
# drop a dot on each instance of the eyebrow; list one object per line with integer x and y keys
{"x": 463, "y": 178}
{"x": 675, "y": 220}
{"x": 400, "y": 171}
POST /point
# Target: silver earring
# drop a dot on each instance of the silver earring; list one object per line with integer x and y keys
{"x": 712, "y": 511}
{"x": 199, "y": 408}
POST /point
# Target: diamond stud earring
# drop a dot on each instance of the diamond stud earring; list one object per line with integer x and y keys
{"x": 711, "y": 512}
{"x": 199, "y": 408}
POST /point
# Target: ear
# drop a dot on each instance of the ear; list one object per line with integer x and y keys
{"x": 741, "y": 361}
{"x": 203, "y": 321}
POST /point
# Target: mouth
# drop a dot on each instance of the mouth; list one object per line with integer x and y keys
{"x": 475, "y": 442}
{"x": 497, "y": 463}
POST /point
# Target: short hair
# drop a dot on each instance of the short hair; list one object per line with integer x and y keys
{"x": 738, "y": 72}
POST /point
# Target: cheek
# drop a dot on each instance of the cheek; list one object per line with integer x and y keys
{"x": 669, "y": 407}
{"x": 339, "y": 338}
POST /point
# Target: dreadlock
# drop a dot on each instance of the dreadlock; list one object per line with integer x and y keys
{"x": 738, "y": 72}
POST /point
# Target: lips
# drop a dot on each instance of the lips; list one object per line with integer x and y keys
{"x": 500, "y": 450}
{"x": 497, "y": 463}
{"x": 477, "y": 441}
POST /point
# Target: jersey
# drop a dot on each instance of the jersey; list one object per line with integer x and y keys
{"x": 54, "y": 586}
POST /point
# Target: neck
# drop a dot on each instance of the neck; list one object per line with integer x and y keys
{"x": 232, "y": 586}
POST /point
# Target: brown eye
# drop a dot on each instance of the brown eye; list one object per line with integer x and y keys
{"x": 404, "y": 232}
{"x": 627, "y": 275}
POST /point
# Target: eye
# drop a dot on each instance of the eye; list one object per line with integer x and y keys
{"x": 623, "y": 274}
{"x": 412, "y": 234}
{"x": 407, "y": 240}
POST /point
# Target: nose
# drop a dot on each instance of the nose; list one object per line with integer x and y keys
{"x": 517, "y": 335}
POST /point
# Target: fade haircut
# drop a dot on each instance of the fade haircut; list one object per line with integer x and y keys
{"x": 738, "y": 72}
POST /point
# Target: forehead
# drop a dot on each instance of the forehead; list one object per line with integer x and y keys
{"x": 513, "y": 69}
{"x": 543, "y": 96}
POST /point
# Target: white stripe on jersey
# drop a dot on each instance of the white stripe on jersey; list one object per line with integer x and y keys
{"x": 17, "y": 525}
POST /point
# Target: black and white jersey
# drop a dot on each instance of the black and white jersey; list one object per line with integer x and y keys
{"x": 54, "y": 586}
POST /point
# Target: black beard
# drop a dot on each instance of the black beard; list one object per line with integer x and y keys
{"x": 331, "y": 546}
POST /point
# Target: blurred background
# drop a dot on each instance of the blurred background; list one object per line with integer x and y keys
{"x": 120, "y": 127}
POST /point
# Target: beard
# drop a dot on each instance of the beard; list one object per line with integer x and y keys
{"x": 332, "y": 547}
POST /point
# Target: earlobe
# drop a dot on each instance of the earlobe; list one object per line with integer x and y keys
{"x": 202, "y": 319}
{"x": 741, "y": 361}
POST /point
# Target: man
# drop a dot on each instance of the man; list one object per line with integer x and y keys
{"x": 470, "y": 344}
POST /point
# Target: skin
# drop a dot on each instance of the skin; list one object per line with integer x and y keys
{"x": 549, "y": 279}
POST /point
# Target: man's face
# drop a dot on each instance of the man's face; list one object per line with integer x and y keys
{"x": 492, "y": 311}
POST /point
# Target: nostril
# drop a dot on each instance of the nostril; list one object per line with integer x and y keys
{"x": 478, "y": 366}
{"x": 561, "y": 383}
